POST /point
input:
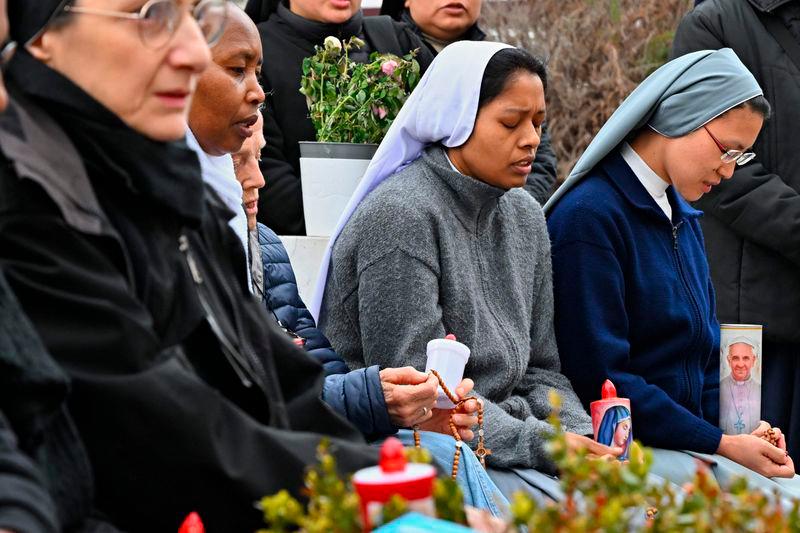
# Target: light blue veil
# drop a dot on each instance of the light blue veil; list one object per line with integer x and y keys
{"x": 675, "y": 100}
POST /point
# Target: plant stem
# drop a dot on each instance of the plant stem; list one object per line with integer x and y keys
{"x": 334, "y": 112}
{"x": 322, "y": 88}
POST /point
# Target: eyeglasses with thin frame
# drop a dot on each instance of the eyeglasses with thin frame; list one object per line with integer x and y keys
{"x": 158, "y": 19}
{"x": 729, "y": 156}
{"x": 6, "y": 54}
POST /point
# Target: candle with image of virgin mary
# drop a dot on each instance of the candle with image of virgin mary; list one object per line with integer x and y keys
{"x": 611, "y": 420}
{"x": 740, "y": 378}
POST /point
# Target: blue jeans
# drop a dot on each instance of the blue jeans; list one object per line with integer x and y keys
{"x": 478, "y": 488}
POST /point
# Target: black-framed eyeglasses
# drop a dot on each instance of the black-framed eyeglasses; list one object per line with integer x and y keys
{"x": 158, "y": 19}
{"x": 7, "y": 50}
{"x": 729, "y": 156}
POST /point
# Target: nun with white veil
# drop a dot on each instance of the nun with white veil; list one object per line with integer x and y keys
{"x": 634, "y": 301}
{"x": 441, "y": 238}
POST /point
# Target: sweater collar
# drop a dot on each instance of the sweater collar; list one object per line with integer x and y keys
{"x": 477, "y": 201}
{"x": 316, "y": 32}
{"x": 625, "y": 181}
{"x": 768, "y": 6}
{"x": 166, "y": 172}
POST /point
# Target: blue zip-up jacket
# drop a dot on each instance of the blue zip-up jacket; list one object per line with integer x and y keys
{"x": 358, "y": 394}
{"x": 634, "y": 303}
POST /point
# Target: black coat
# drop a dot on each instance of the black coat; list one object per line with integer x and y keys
{"x": 186, "y": 396}
{"x": 287, "y": 40}
{"x": 45, "y": 476}
{"x": 31, "y": 391}
{"x": 25, "y": 504}
{"x": 752, "y": 222}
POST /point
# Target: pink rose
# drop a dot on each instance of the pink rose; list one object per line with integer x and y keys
{"x": 388, "y": 67}
{"x": 380, "y": 112}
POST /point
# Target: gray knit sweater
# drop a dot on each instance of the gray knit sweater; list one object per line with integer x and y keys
{"x": 431, "y": 252}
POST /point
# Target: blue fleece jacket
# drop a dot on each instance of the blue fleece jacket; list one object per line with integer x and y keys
{"x": 357, "y": 395}
{"x": 634, "y": 303}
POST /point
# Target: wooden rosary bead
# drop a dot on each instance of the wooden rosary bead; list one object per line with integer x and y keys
{"x": 771, "y": 437}
{"x": 456, "y": 460}
{"x": 454, "y": 430}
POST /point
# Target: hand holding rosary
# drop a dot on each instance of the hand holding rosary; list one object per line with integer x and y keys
{"x": 481, "y": 451}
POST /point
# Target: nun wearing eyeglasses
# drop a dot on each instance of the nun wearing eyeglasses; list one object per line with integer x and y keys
{"x": 184, "y": 393}
{"x": 441, "y": 238}
{"x": 633, "y": 299}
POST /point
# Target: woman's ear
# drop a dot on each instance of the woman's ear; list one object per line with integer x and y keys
{"x": 41, "y": 47}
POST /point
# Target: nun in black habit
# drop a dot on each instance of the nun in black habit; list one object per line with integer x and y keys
{"x": 124, "y": 263}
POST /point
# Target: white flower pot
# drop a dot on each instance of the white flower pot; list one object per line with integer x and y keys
{"x": 329, "y": 173}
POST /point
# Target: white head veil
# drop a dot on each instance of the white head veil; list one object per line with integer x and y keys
{"x": 442, "y": 109}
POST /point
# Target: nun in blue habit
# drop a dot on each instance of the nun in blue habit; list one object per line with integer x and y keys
{"x": 633, "y": 298}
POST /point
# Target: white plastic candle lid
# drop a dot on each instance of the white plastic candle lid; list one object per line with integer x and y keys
{"x": 449, "y": 345}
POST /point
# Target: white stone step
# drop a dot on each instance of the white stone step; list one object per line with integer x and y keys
{"x": 305, "y": 253}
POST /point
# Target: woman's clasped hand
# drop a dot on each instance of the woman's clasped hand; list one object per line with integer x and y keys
{"x": 757, "y": 453}
{"x": 410, "y": 397}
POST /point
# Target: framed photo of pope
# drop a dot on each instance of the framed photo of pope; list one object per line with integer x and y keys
{"x": 740, "y": 378}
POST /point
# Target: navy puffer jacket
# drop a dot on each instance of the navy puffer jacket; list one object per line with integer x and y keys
{"x": 357, "y": 394}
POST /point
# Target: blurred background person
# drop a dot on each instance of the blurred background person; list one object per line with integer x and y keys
{"x": 289, "y": 31}
{"x": 438, "y": 22}
{"x": 752, "y": 222}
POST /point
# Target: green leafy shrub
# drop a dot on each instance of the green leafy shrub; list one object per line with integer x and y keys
{"x": 617, "y": 497}
{"x": 600, "y": 497}
{"x": 355, "y": 102}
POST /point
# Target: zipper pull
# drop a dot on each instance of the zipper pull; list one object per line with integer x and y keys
{"x": 183, "y": 246}
{"x": 675, "y": 229}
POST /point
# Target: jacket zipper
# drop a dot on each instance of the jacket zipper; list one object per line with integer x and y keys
{"x": 507, "y": 337}
{"x": 695, "y": 308}
{"x": 237, "y": 361}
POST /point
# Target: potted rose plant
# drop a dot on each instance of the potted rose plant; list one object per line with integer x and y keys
{"x": 351, "y": 106}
